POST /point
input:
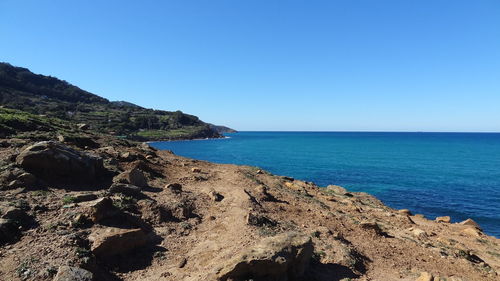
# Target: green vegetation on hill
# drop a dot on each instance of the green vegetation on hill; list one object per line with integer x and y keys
{"x": 44, "y": 95}
{"x": 15, "y": 122}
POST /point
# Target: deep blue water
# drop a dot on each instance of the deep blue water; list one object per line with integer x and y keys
{"x": 435, "y": 174}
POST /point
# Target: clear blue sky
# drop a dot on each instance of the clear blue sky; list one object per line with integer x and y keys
{"x": 401, "y": 65}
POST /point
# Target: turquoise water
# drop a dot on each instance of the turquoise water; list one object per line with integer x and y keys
{"x": 435, "y": 174}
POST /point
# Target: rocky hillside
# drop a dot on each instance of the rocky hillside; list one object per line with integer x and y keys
{"x": 222, "y": 129}
{"x": 121, "y": 210}
{"x": 48, "y": 96}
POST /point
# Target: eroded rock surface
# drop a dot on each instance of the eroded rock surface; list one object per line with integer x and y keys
{"x": 54, "y": 161}
{"x": 284, "y": 257}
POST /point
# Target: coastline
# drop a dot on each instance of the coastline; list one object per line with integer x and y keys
{"x": 187, "y": 205}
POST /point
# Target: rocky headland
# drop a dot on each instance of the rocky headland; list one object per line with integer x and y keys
{"x": 114, "y": 209}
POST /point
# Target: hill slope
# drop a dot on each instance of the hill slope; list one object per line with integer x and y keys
{"x": 38, "y": 94}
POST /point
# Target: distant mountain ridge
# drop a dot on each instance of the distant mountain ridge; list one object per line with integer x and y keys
{"x": 45, "y": 95}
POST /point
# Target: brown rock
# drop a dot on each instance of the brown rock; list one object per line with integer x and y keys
{"x": 336, "y": 189}
{"x": 182, "y": 263}
{"x": 84, "y": 197}
{"x": 425, "y": 276}
{"x": 472, "y": 231}
{"x": 214, "y": 196}
{"x": 419, "y": 233}
{"x": 127, "y": 189}
{"x": 69, "y": 273}
{"x": 282, "y": 257}
{"x": 174, "y": 187}
{"x": 405, "y": 212}
{"x": 259, "y": 220}
{"x": 470, "y": 222}
{"x": 16, "y": 214}
{"x": 133, "y": 176}
{"x": 100, "y": 209}
{"x": 55, "y": 161}
{"x": 196, "y": 170}
{"x": 113, "y": 241}
{"x": 445, "y": 219}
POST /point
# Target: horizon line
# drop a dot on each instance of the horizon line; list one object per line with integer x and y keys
{"x": 420, "y": 132}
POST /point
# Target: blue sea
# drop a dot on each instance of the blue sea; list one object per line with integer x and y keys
{"x": 435, "y": 174}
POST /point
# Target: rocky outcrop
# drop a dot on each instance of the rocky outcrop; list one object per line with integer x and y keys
{"x": 69, "y": 273}
{"x": 114, "y": 241}
{"x": 55, "y": 161}
{"x": 284, "y": 257}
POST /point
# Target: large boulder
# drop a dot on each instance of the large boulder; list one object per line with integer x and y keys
{"x": 283, "y": 257}
{"x": 54, "y": 161}
{"x": 112, "y": 241}
{"x": 69, "y": 273}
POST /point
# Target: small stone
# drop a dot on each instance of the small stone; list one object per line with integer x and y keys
{"x": 196, "y": 170}
{"x": 425, "y": 276}
{"x": 84, "y": 197}
{"x": 336, "y": 189}
{"x": 174, "y": 187}
{"x": 127, "y": 189}
{"x": 445, "y": 219}
{"x": 216, "y": 197}
{"x": 419, "y": 233}
{"x": 101, "y": 209}
{"x": 133, "y": 176}
{"x": 405, "y": 212}
{"x": 182, "y": 263}
{"x": 259, "y": 172}
{"x": 82, "y": 126}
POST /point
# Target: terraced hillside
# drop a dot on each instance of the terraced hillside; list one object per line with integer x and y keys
{"x": 48, "y": 96}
